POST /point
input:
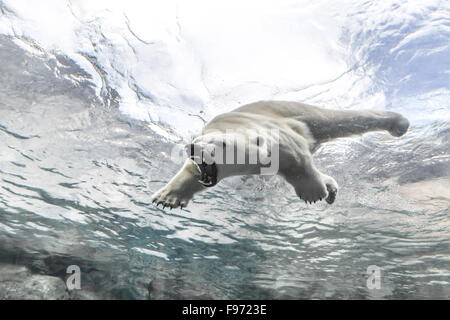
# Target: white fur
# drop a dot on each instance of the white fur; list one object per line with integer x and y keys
{"x": 301, "y": 129}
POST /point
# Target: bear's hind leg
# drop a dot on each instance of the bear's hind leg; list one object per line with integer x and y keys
{"x": 331, "y": 124}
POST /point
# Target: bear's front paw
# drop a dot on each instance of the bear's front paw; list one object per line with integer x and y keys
{"x": 170, "y": 197}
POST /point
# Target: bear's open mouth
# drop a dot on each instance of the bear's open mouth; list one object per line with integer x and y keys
{"x": 208, "y": 172}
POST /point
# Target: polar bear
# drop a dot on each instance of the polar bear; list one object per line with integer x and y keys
{"x": 300, "y": 130}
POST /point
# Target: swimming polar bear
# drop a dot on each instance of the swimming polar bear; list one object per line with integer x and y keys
{"x": 300, "y": 130}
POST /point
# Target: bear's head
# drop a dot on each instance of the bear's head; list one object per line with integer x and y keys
{"x": 219, "y": 155}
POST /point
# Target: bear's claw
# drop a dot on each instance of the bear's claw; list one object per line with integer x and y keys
{"x": 318, "y": 192}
